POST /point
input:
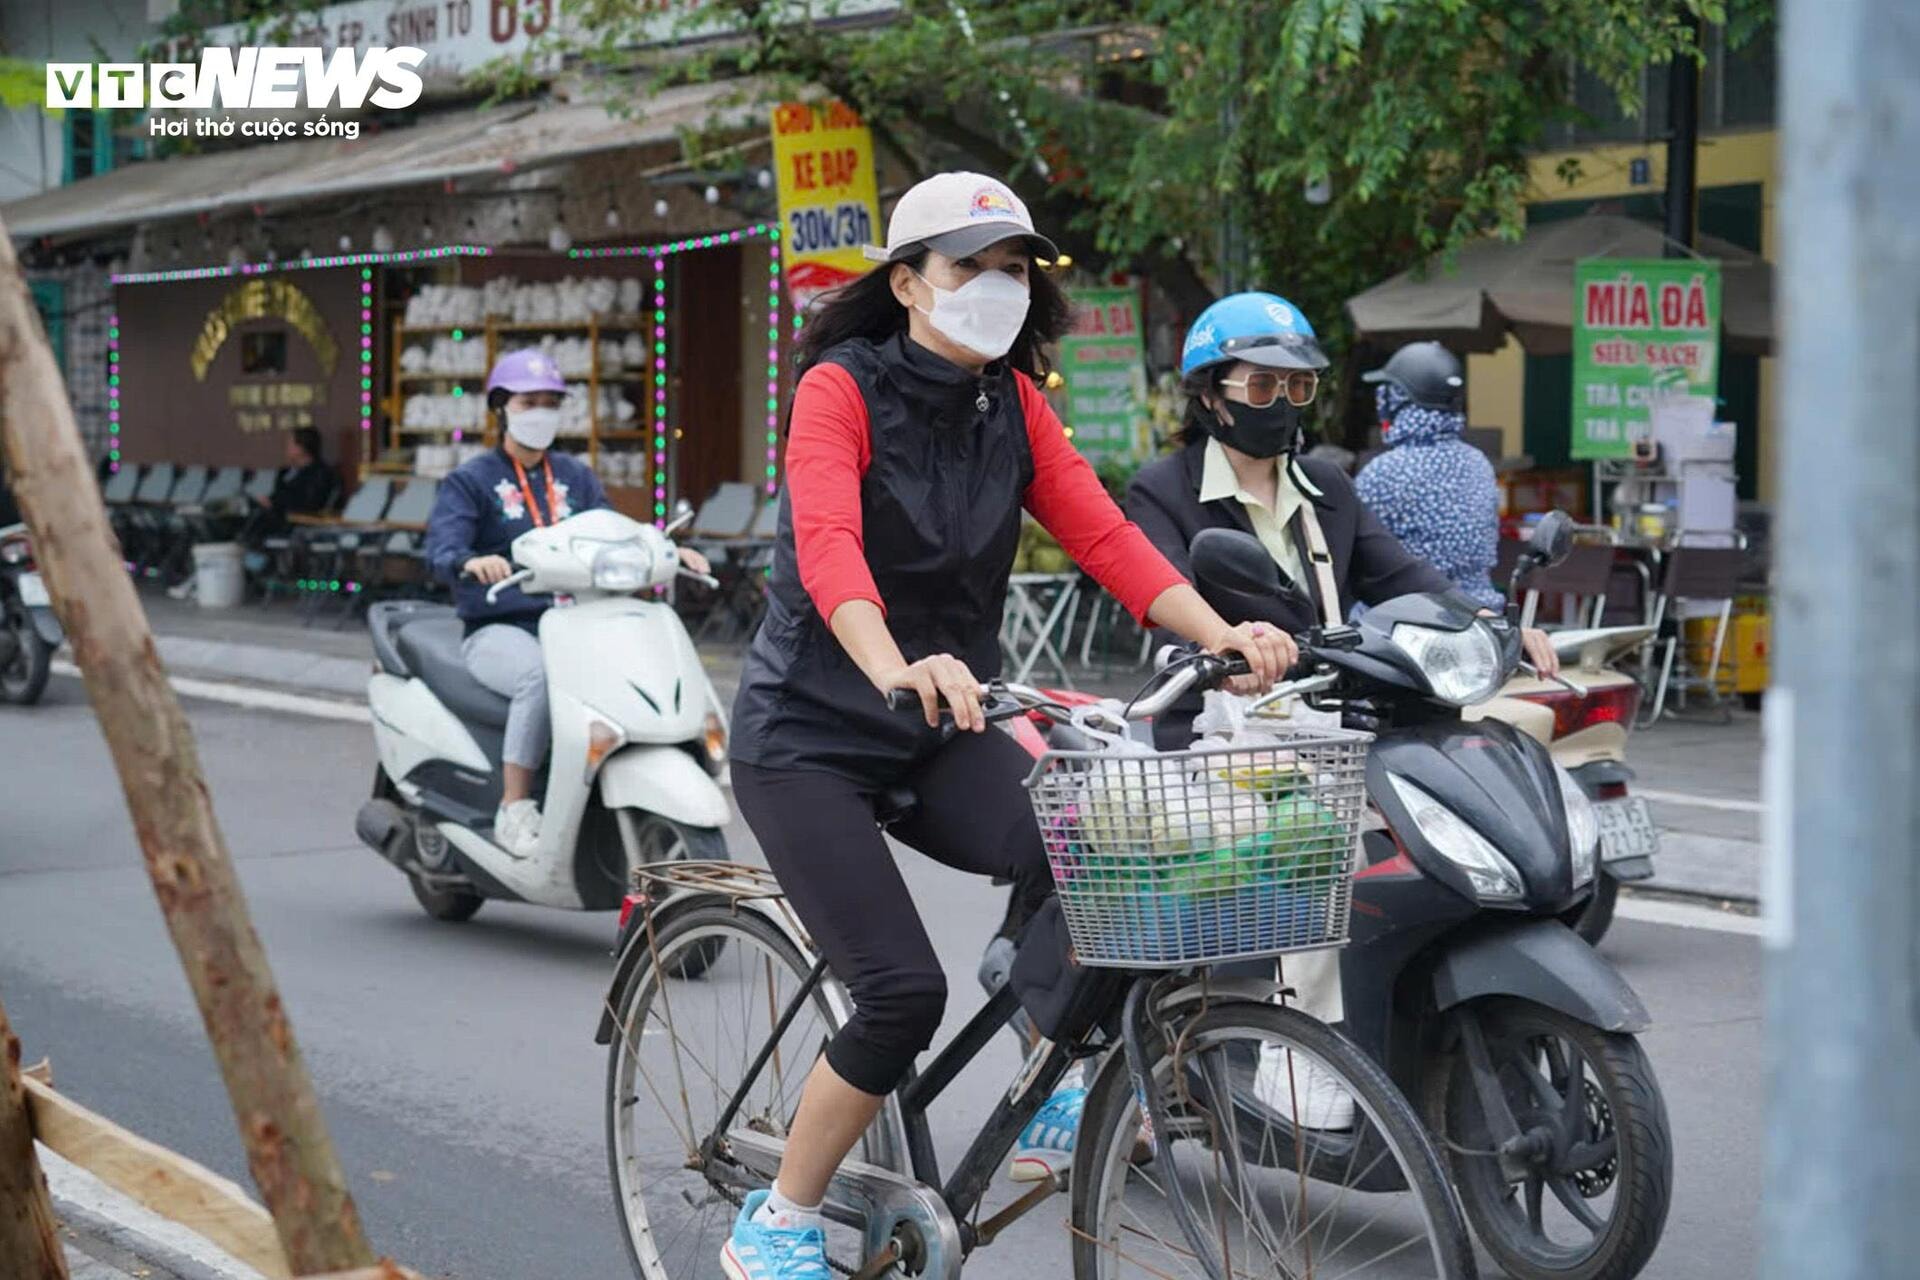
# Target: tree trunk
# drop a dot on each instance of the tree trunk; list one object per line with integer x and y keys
{"x": 288, "y": 1150}
{"x": 29, "y": 1246}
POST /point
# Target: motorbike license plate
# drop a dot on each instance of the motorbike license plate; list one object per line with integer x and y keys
{"x": 1626, "y": 829}
{"x": 33, "y": 592}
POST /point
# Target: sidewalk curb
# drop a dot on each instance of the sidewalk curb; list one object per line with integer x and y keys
{"x": 91, "y": 1206}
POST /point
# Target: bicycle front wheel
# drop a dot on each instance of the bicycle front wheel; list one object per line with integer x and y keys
{"x": 1251, "y": 1191}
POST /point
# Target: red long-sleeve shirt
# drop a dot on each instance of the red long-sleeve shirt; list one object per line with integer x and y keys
{"x": 828, "y": 451}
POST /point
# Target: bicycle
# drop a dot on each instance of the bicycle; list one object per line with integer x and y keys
{"x": 1190, "y": 1161}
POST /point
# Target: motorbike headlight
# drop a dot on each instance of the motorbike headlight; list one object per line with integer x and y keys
{"x": 1583, "y": 827}
{"x": 1463, "y": 667}
{"x": 714, "y": 741}
{"x": 16, "y": 551}
{"x": 621, "y": 566}
{"x": 1492, "y": 876}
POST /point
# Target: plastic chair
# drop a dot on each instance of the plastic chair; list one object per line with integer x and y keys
{"x": 1584, "y": 575}
{"x": 320, "y": 552}
{"x": 398, "y": 558}
{"x": 742, "y": 571}
{"x": 260, "y": 483}
{"x": 1703, "y": 566}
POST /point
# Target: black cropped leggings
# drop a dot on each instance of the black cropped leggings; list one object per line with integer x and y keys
{"x": 817, "y": 831}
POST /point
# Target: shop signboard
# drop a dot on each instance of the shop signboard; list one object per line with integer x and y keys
{"x": 1104, "y": 366}
{"x": 1642, "y": 330}
{"x": 829, "y": 197}
{"x": 458, "y": 36}
{"x": 461, "y": 36}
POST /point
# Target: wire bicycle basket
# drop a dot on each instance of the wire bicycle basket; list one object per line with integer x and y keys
{"x": 1171, "y": 859}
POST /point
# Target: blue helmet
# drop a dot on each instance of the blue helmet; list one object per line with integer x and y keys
{"x": 1260, "y": 328}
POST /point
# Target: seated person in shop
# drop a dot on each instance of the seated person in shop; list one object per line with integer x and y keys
{"x": 305, "y": 486}
{"x": 480, "y": 509}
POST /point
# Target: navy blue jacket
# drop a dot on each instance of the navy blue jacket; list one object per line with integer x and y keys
{"x": 480, "y": 509}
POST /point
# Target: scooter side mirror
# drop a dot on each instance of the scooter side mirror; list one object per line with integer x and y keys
{"x": 682, "y": 517}
{"x": 1552, "y": 539}
{"x": 1235, "y": 574}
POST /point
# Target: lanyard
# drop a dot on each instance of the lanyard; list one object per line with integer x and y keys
{"x": 526, "y": 490}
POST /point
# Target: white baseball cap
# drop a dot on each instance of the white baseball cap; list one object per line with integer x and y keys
{"x": 956, "y": 214}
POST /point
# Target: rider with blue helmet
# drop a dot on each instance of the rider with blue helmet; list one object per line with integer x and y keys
{"x": 1251, "y": 366}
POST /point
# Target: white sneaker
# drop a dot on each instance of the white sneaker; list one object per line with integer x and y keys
{"x": 1288, "y": 1080}
{"x": 516, "y": 827}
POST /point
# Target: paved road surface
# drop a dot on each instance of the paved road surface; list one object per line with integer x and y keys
{"x": 456, "y": 1062}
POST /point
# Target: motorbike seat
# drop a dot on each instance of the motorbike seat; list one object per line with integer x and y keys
{"x": 430, "y": 647}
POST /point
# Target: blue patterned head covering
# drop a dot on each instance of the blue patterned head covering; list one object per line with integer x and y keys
{"x": 1435, "y": 492}
{"x": 1404, "y": 422}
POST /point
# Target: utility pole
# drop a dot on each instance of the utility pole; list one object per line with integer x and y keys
{"x": 1842, "y": 893}
{"x": 1683, "y": 145}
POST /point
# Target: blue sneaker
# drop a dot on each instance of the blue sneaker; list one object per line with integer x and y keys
{"x": 1046, "y": 1144}
{"x": 761, "y": 1252}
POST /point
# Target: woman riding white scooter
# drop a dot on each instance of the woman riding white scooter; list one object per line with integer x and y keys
{"x": 480, "y": 509}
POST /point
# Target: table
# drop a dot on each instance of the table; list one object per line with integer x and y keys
{"x": 1039, "y": 605}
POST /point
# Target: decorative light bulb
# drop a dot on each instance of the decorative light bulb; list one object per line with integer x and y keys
{"x": 559, "y": 239}
{"x": 613, "y": 218}
{"x": 382, "y": 238}
{"x": 711, "y": 195}
{"x": 346, "y": 244}
{"x": 660, "y": 207}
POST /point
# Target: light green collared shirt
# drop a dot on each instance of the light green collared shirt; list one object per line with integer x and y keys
{"x": 1270, "y": 524}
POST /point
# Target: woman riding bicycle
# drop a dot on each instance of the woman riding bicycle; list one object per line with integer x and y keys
{"x": 917, "y": 437}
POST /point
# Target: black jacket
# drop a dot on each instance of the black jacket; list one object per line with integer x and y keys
{"x": 940, "y": 509}
{"x": 1369, "y": 564}
{"x": 305, "y": 491}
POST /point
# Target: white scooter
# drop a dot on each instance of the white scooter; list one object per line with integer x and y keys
{"x": 639, "y": 737}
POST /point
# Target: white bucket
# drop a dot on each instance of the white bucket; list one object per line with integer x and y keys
{"x": 220, "y": 575}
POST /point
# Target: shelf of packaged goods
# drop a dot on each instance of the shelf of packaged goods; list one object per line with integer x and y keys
{"x": 569, "y": 326}
{"x": 626, "y": 435}
{"x": 441, "y": 377}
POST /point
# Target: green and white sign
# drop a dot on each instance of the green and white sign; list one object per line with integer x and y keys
{"x": 1642, "y": 329}
{"x": 1104, "y": 363}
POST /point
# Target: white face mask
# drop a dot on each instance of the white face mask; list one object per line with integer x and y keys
{"x": 534, "y": 428}
{"x": 983, "y": 315}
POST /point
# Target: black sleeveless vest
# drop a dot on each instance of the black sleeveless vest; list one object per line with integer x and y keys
{"x": 940, "y": 505}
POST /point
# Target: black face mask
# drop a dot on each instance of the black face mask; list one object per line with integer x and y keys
{"x": 1258, "y": 433}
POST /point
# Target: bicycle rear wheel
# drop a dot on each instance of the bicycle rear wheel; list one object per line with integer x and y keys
{"x": 1269, "y": 1199}
{"x": 682, "y": 1045}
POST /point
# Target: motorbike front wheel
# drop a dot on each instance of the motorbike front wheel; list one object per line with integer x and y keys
{"x": 1592, "y": 918}
{"x": 24, "y": 679}
{"x": 1596, "y": 1174}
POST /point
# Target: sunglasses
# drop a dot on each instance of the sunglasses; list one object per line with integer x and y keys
{"x": 1267, "y": 386}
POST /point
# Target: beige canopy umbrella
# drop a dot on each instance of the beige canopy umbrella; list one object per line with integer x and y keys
{"x": 1525, "y": 287}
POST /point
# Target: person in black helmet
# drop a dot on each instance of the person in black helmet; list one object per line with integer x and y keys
{"x": 1430, "y": 488}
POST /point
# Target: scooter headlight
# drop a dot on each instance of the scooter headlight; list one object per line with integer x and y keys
{"x": 1492, "y": 876}
{"x": 1463, "y": 667}
{"x": 1583, "y": 827}
{"x": 621, "y": 566}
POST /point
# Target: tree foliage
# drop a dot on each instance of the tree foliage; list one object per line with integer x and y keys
{"x": 1179, "y": 138}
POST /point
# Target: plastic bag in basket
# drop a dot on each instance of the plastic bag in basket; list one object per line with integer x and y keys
{"x": 1224, "y": 722}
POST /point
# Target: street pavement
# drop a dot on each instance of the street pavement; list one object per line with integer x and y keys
{"x": 456, "y": 1062}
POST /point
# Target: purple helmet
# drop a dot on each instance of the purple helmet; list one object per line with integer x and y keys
{"x": 528, "y": 370}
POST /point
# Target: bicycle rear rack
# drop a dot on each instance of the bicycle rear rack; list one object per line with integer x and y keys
{"x": 728, "y": 879}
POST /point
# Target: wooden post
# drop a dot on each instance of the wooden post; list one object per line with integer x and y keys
{"x": 29, "y": 1246}
{"x": 288, "y": 1150}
